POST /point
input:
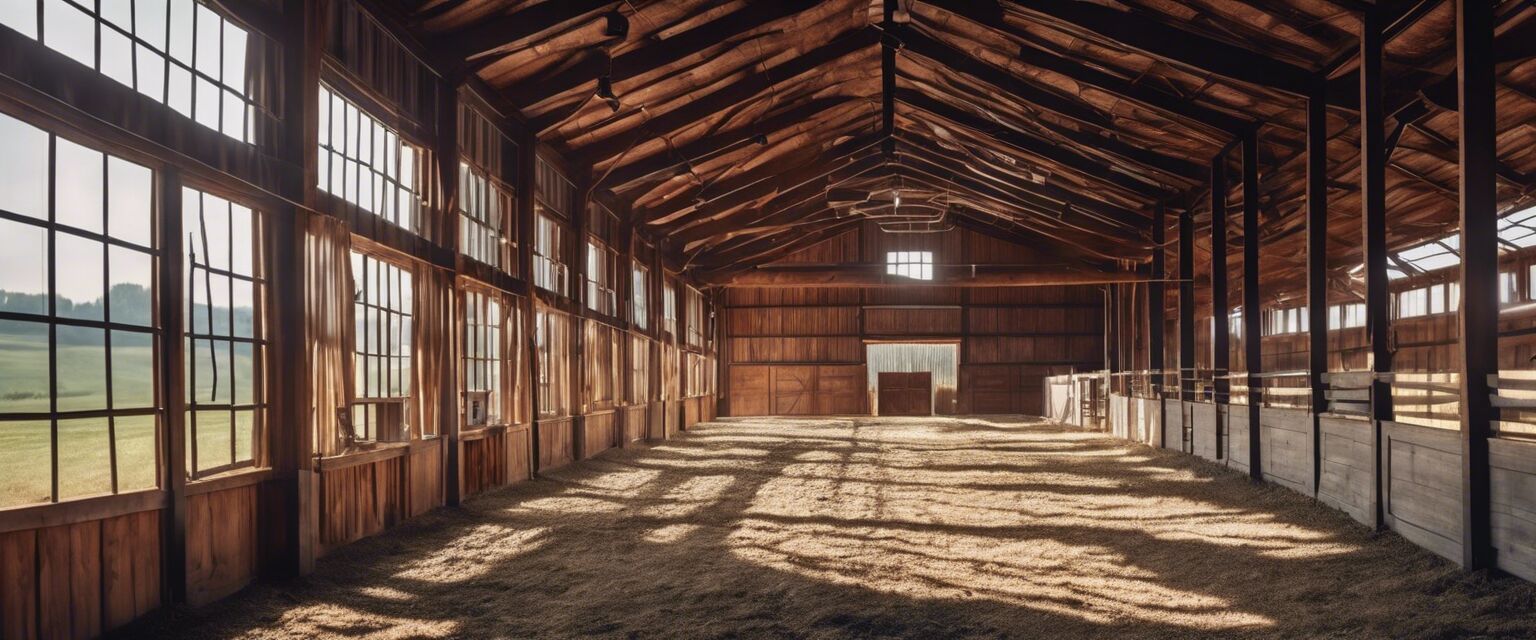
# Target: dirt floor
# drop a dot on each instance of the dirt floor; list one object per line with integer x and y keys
{"x": 879, "y": 527}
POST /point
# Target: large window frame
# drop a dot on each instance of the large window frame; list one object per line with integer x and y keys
{"x": 491, "y": 361}
{"x": 639, "y": 295}
{"x": 383, "y": 348}
{"x": 71, "y": 211}
{"x": 549, "y": 270}
{"x": 213, "y": 272}
{"x": 552, "y": 353}
{"x": 368, "y": 164}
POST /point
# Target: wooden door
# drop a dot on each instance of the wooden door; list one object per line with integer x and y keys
{"x": 906, "y": 394}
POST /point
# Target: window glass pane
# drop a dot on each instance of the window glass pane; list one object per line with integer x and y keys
{"x": 118, "y": 12}
{"x": 150, "y": 25}
{"x": 209, "y": 51}
{"x": 23, "y": 268}
{"x": 78, "y": 283}
{"x": 26, "y": 450}
{"x": 245, "y": 434}
{"x": 23, "y": 168}
{"x": 212, "y": 437}
{"x": 69, "y": 31}
{"x": 78, "y": 185}
{"x": 116, "y": 54}
{"x": 82, "y": 368}
{"x": 133, "y": 370}
{"x": 244, "y": 374}
{"x": 205, "y": 105}
{"x": 87, "y": 469}
{"x": 181, "y": 33}
{"x": 136, "y": 452}
{"x": 234, "y": 57}
{"x": 24, "y": 368}
{"x": 178, "y": 93}
{"x": 21, "y": 16}
{"x": 130, "y": 195}
{"x": 234, "y": 115}
{"x": 130, "y": 296}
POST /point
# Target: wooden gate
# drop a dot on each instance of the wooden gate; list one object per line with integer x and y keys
{"x": 906, "y": 394}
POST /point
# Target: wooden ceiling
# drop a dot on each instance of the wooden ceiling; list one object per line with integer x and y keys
{"x": 741, "y": 130}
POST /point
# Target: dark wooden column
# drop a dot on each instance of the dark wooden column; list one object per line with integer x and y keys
{"x": 578, "y": 292}
{"x": 1478, "y": 314}
{"x": 1156, "y": 323}
{"x": 1111, "y": 333}
{"x": 1186, "y": 306}
{"x": 173, "y": 379}
{"x": 1317, "y": 266}
{"x": 1253, "y": 339}
{"x": 446, "y": 154}
{"x": 527, "y": 163}
{"x": 1373, "y": 198}
{"x": 1221, "y": 348}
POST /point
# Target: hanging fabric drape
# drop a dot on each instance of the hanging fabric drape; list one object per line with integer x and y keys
{"x": 328, "y": 295}
{"x": 435, "y": 350}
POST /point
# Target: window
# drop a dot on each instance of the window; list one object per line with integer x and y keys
{"x": 382, "y": 313}
{"x": 910, "y": 264}
{"x": 1235, "y": 323}
{"x": 669, "y": 308}
{"x": 1413, "y": 303}
{"x": 1285, "y": 321}
{"x": 548, "y": 266}
{"x": 367, "y": 164}
{"x": 484, "y": 365}
{"x": 695, "y": 377}
{"x": 225, "y": 338}
{"x": 602, "y": 276}
{"x": 1509, "y": 291}
{"x": 640, "y": 310}
{"x": 180, "y": 53}
{"x": 78, "y": 409}
{"x": 602, "y": 350}
{"x": 483, "y": 209}
{"x": 694, "y": 307}
{"x": 639, "y": 370}
{"x": 551, "y": 343}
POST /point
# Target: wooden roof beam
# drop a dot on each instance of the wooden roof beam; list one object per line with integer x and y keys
{"x": 492, "y": 35}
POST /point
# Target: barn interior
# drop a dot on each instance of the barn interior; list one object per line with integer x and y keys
{"x": 805, "y": 318}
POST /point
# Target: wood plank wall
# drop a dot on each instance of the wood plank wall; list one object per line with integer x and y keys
{"x": 802, "y": 351}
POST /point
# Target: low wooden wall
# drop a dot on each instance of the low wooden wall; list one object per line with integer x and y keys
{"x": 655, "y": 421}
{"x": 672, "y": 417}
{"x": 634, "y": 422}
{"x": 362, "y": 494}
{"x": 1347, "y": 477}
{"x": 1233, "y": 423}
{"x": 556, "y": 442}
{"x": 1173, "y": 426}
{"x": 1285, "y": 447}
{"x": 223, "y": 525}
{"x": 492, "y": 458}
{"x": 1423, "y": 489}
{"x": 599, "y": 432}
{"x": 1514, "y": 505}
{"x": 80, "y": 571}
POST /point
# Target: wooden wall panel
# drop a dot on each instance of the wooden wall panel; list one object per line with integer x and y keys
{"x": 792, "y": 391}
{"x": 483, "y": 462}
{"x": 425, "y": 470}
{"x": 519, "y": 453}
{"x": 79, "y": 580}
{"x": 1423, "y": 486}
{"x": 222, "y": 529}
{"x": 1348, "y": 471}
{"x": 600, "y": 432}
{"x": 750, "y": 390}
{"x": 841, "y": 390}
{"x": 793, "y": 321}
{"x": 361, "y": 500}
{"x": 912, "y": 321}
{"x": 556, "y": 445}
{"x": 848, "y": 349}
{"x": 634, "y": 422}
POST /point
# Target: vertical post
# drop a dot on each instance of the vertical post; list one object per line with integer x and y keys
{"x": 1317, "y": 266}
{"x": 1253, "y": 353}
{"x": 446, "y": 153}
{"x": 579, "y": 346}
{"x": 1478, "y": 314}
{"x": 1373, "y": 199}
{"x": 527, "y": 163}
{"x": 1112, "y": 333}
{"x": 1186, "y": 306}
{"x": 1155, "y": 303}
{"x": 173, "y": 387}
{"x": 1221, "y": 348}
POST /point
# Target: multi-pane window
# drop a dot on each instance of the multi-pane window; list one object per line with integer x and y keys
{"x": 602, "y": 278}
{"x": 381, "y": 294}
{"x": 484, "y": 207}
{"x": 640, "y": 310}
{"x": 551, "y": 343}
{"x": 639, "y": 370}
{"x": 79, "y": 414}
{"x": 549, "y": 271}
{"x": 1286, "y": 321}
{"x": 669, "y": 308}
{"x": 1430, "y": 300}
{"x": 602, "y": 350}
{"x": 1346, "y": 316}
{"x": 1509, "y": 289}
{"x": 484, "y": 364}
{"x": 225, "y": 340}
{"x": 368, "y": 164}
{"x": 694, "y": 307}
{"x": 181, "y": 53}
{"x": 910, "y": 264}
{"x": 695, "y": 380}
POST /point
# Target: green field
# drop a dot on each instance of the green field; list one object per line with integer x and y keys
{"x": 85, "y": 445}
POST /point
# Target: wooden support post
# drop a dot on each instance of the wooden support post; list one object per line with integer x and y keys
{"x": 1186, "y": 306}
{"x": 526, "y": 163}
{"x": 1155, "y": 293}
{"x": 578, "y": 294}
{"x": 446, "y": 154}
{"x": 173, "y": 383}
{"x": 888, "y": 80}
{"x": 1317, "y": 266}
{"x": 1478, "y": 314}
{"x": 1373, "y": 199}
{"x": 1221, "y": 347}
{"x": 1111, "y": 333}
{"x": 1253, "y": 339}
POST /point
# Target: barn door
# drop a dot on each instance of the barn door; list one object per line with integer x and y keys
{"x": 906, "y": 394}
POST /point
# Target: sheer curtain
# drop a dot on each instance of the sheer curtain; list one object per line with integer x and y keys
{"x": 328, "y": 328}
{"x": 433, "y": 333}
